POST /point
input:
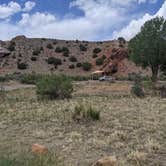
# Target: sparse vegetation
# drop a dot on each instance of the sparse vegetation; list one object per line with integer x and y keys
{"x": 86, "y": 66}
{"x": 83, "y": 48}
{"x": 49, "y": 46}
{"x": 58, "y": 50}
{"x": 79, "y": 64}
{"x": 36, "y": 52}
{"x": 73, "y": 59}
{"x": 84, "y": 113}
{"x": 72, "y": 66}
{"x": 54, "y": 61}
{"x": 99, "y": 61}
{"x": 22, "y": 65}
{"x": 97, "y": 50}
{"x": 33, "y": 58}
{"x": 11, "y": 46}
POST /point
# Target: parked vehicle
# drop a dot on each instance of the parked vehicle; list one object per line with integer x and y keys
{"x": 106, "y": 78}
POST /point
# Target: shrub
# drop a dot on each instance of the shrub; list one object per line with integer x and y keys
{"x": 99, "y": 61}
{"x": 83, "y": 48}
{"x": 54, "y": 87}
{"x": 30, "y": 78}
{"x": 33, "y": 58}
{"x": 22, "y": 66}
{"x": 137, "y": 90}
{"x": 71, "y": 66}
{"x": 82, "y": 113}
{"x": 65, "y": 49}
{"x": 36, "y": 52}
{"x": 79, "y": 64}
{"x": 86, "y": 66}
{"x": 58, "y": 50}
{"x": 49, "y": 46}
{"x": 94, "y": 56}
{"x": 12, "y": 46}
{"x": 73, "y": 59}
{"x": 104, "y": 57}
{"x": 66, "y": 54}
{"x": 96, "y": 50}
{"x": 54, "y": 42}
{"x": 54, "y": 61}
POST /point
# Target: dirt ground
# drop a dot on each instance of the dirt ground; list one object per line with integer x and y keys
{"x": 132, "y": 129}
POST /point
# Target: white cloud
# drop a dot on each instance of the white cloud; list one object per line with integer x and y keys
{"x": 29, "y": 6}
{"x": 135, "y": 25}
{"x": 6, "y": 10}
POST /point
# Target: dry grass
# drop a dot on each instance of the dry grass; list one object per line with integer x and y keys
{"x": 130, "y": 128}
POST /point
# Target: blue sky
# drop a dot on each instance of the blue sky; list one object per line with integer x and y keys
{"x": 77, "y": 19}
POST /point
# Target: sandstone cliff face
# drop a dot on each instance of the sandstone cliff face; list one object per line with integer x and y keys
{"x": 35, "y": 52}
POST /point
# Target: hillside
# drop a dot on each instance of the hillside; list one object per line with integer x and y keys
{"x": 29, "y": 55}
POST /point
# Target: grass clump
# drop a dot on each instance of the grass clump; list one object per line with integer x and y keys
{"x": 54, "y": 87}
{"x": 137, "y": 89}
{"x": 82, "y": 113}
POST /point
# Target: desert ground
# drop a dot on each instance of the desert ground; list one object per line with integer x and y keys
{"x": 130, "y": 128}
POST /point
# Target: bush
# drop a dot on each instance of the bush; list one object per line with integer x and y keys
{"x": 73, "y": 59}
{"x": 54, "y": 61}
{"x": 96, "y": 50}
{"x": 22, "y": 66}
{"x": 82, "y": 113}
{"x": 94, "y": 56}
{"x": 86, "y": 66}
{"x": 66, "y": 54}
{"x": 54, "y": 87}
{"x": 11, "y": 46}
{"x": 49, "y": 46}
{"x": 58, "y": 50}
{"x": 137, "y": 90}
{"x": 33, "y": 58}
{"x": 99, "y": 61}
{"x": 71, "y": 66}
{"x": 36, "y": 52}
{"x": 79, "y": 64}
{"x": 83, "y": 48}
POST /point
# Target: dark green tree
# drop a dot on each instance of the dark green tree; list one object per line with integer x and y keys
{"x": 148, "y": 47}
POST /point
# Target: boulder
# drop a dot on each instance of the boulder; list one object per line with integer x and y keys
{"x": 39, "y": 149}
{"x": 107, "y": 161}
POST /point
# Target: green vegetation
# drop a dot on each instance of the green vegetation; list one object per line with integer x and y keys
{"x": 33, "y": 58}
{"x": 36, "y": 52}
{"x": 148, "y": 47}
{"x": 82, "y": 113}
{"x": 94, "y": 56}
{"x": 22, "y": 65}
{"x": 86, "y": 66}
{"x": 31, "y": 160}
{"x": 99, "y": 61}
{"x": 54, "y": 87}
{"x": 72, "y": 66}
{"x": 49, "y": 46}
{"x": 73, "y": 59}
{"x": 97, "y": 50}
{"x": 79, "y": 64}
{"x": 58, "y": 50}
{"x": 83, "y": 48}
{"x": 54, "y": 61}
{"x": 11, "y": 46}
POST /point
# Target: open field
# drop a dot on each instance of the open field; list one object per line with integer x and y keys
{"x": 132, "y": 129}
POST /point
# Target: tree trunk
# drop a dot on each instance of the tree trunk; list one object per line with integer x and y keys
{"x": 155, "y": 70}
